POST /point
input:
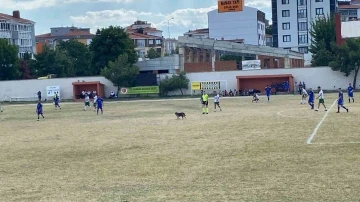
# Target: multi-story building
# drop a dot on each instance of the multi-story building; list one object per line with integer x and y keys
{"x": 349, "y": 10}
{"x": 269, "y": 40}
{"x": 248, "y": 25}
{"x": 292, "y": 22}
{"x": 58, "y": 34}
{"x": 198, "y": 33}
{"x": 19, "y": 32}
{"x": 145, "y": 38}
{"x": 170, "y": 46}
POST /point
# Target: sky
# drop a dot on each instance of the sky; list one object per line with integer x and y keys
{"x": 187, "y": 14}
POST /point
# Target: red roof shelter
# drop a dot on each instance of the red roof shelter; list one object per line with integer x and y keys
{"x": 260, "y": 81}
{"x": 78, "y": 87}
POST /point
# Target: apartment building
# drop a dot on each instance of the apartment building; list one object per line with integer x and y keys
{"x": 58, "y": 34}
{"x": 349, "y": 10}
{"x": 145, "y": 37}
{"x": 248, "y": 25}
{"x": 198, "y": 33}
{"x": 170, "y": 46}
{"x": 292, "y": 22}
{"x": 18, "y": 31}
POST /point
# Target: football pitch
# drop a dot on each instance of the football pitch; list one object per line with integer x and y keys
{"x": 138, "y": 151}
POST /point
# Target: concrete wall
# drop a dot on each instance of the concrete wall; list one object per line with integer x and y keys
{"x": 313, "y": 77}
{"x": 170, "y": 63}
{"x": 29, "y": 88}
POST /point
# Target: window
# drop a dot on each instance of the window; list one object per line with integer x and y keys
{"x": 285, "y": 1}
{"x": 353, "y": 12}
{"x": 286, "y": 26}
{"x": 303, "y": 49}
{"x": 303, "y": 38}
{"x": 286, "y": 13}
{"x": 302, "y": 13}
{"x": 151, "y": 42}
{"x": 302, "y": 2}
{"x": 258, "y": 25}
{"x": 319, "y": 11}
{"x": 318, "y": 0}
{"x": 259, "y": 36}
{"x": 158, "y": 42}
{"x": 286, "y": 38}
{"x": 303, "y": 26}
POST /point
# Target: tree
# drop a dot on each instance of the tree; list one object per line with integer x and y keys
{"x": 322, "y": 36}
{"x": 152, "y": 54}
{"x": 120, "y": 72}
{"x": 176, "y": 82}
{"x": 108, "y": 44}
{"x": 9, "y": 61}
{"x": 79, "y": 54}
{"x": 25, "y": 72}
{"x": 52, "y": 62}
{"x": 347, "y": 59}
{"x": 268, "y": 30}
{"x": 238, "y": 59}
{"x": 176, "y": 50}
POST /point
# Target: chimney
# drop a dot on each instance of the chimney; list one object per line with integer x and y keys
{"x": 16, "y": 14}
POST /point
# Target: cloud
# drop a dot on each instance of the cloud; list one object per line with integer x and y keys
{"x": 36, "y": 4}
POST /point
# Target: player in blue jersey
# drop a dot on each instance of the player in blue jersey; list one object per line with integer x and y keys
{"x": 56, "y": 101}
{"x": 311, "y": 95}
{"x": 39, "y": 110}
{"x": 99, "y": 105}
{"x": 350, "y": 92}
{"x": 341, "y": 101}
{"x": 268, "y": 92}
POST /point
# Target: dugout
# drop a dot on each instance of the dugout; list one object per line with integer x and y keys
{"x": 259, "y": 82}
{"x": 78, "y": 87}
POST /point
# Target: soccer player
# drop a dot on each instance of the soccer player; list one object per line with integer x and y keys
{"x": 268, "y": 92}
{"x": 205, "y": 102}
{"x": 350, "y": 92}
{"x": 95, "y": 98}
{"x": 304, "y": 94}
{"x": 321, "y": 99}
{"x": 311, "y": 98}
{"x": 87, "y": 102}
{"x": 255, "y": 98}
{"x": 39, "y": 110}
{"x": 217, "y": 102}
{"x": 99, "y": 104}
{"x": 56, "y": 99}
{"x": 341, "y": 101}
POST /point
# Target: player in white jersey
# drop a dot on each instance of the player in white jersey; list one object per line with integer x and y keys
{"x": 321, "y": 99}
{"x": 217, "y": 102}
{"x": 95, "y": 99}
{"x": 304, "y": 95}
{"x": 255, "y": 98}
{"x": 87, "y": 102}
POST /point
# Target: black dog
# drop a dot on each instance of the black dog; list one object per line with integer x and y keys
{"x": 180, "y": 114}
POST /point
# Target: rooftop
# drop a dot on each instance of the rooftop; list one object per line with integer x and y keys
{"x": 11, "y": 17}
{"x": 198, "y": 31}
{"x": 74, "y": 32}
{"x": 351, "y": 6}
{"x": 135, "y": 35}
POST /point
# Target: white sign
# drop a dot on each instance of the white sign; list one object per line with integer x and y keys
{"x": 50, "y": 90}
{"x": 251, "y": 64}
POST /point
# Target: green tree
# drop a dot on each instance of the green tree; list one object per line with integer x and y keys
{"x": 176, "y": 82}
{"x": 79, "y": 54}
{"x": 9, "y": 61}
{"x": 52, "y": 62}
{"x": 24, "y": 67}
{"x": 120, "y": 72}
{"x": 176, "y": 50}
{"x": 108, "y": 44}
{"x": 152, "y": 54}
{"x": 268, "y": 30}
{"x": 322, "y": 36}
{"x": 347, "y": 59}
{"x": 238, "y": 59}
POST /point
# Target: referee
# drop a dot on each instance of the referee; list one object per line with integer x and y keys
{"x": 205, "y": 102}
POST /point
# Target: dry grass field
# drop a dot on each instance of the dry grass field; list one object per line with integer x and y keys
{"x": 138, "y": 151}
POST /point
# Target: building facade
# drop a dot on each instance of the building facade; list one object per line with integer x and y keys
{"x": 248, "y": 25}
{"x": 19, "y": 32}
{"x": 145, "y": 37}
{"x": 349, "y": 10}
{"x": 170, "y": 46}
{"x": 292, "y": 22}
{"x": 198, "y": 33}
{"x": 59, "y": 34}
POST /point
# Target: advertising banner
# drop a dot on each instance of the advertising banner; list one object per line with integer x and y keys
{"x": 140, "y": 90}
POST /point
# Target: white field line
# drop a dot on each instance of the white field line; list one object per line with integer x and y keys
{"x": 319, "y": 124}
{"x": 334, "y": 143}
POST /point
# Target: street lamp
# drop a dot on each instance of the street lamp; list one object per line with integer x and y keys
{"x": 169, "y": 26}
